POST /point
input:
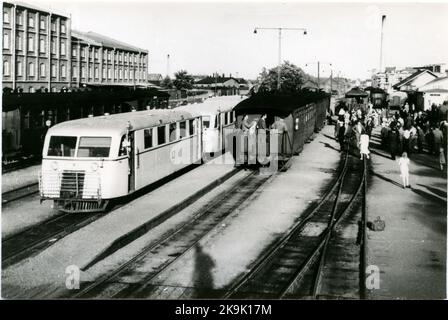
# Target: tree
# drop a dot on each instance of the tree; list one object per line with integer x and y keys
{"x": 183, "y": 80}
{"x": 291, "y": 78}
{"x": 167, "y": 82}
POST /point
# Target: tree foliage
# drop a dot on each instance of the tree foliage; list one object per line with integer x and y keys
{"x": 183, "y": 80}
{"x": 291, "y": 78}
{"x": 167, "y": 83}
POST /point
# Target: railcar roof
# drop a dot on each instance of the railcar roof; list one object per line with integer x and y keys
{"x": 276, "y": 104}
{"x": 117, "y": 123}
{"x": 212, "y": 105}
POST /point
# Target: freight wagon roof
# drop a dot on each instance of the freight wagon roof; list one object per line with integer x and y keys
{"x": 281, "y": 105}
{"x": 118, "y": 123}
{"x": 212, "y": 105}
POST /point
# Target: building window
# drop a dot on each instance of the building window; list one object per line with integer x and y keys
{"x": 96, "y": 53}
{"x": 6, "y": 17}
{"x": 53, "y": 70}
{"x": 108, "y": 56}
{"x": 53, "y": 46}
{"x": 42, "y": 70}
{"x": 30, "y": 43}
{"x": 31, "y": 20}
{"x": 42, "y": 45}
{"x": 90, "y": 73}
{"x": 53, "y": 26}
{"x": 63, "y": 48}
{"x": 83, "y": 72}
{"x": 63, "y": 71}
{"x": 20, "y": 18}
{"x": 74, "y": 52}
{"x": 109, "y": 73}
{"x": 31, "y": 90}
{"x": 74, "y": 72}
{"x": 6, "y": 68}
{"x": 62, "y": 27}
{"x": 19, "y": 42}
{"x": 5, "y": 41}
{"x": 31, "y": 69}
{"x": 116, "y": 74}
{"x": 42, "y": 23}
{"x": 96, "y": 72}
{"x": 121, "y": 74}
{"x": 19, "y": 68}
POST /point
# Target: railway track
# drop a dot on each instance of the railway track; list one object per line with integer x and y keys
{"x": 36, "y": 238}
{"x": 19, "y": 193}
{"x": 323, "y": 255}
{"x": 132, "y": 279}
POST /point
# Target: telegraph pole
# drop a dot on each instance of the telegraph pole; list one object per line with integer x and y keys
{"x": 280, "y": 48}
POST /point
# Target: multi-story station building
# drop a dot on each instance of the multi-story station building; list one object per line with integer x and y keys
{"x": 100, "y": 60}
{"x": 36, "y": 49}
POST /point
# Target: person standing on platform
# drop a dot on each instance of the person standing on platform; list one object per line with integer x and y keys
{"x": 437, "y": 139}
{"x": 404, "y": 170}
{"x": 442, "y": 160}
{"x": 394, "y": 141}
{"x": 364, "y": 145}
{"x": 341, "y": 136}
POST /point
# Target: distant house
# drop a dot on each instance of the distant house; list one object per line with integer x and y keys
{"x": 435, "y": 92}
{"x": 155, "y": 78}
{"x": 222, "y": 85}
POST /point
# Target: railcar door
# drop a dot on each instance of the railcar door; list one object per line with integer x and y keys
{"x": 132, "y": 162}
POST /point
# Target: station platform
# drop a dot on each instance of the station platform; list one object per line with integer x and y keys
{"x": 20, "y": 178}
{"x": 411, "y": 252}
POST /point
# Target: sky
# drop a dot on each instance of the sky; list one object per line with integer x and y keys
{"x": 213, "y": 36}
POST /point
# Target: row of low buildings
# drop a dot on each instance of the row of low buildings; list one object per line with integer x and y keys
{"x": 41, "y": 52}
{"x": 422, "y": 86}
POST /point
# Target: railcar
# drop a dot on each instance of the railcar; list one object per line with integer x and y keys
{"x": 218, "y": 120}
{"x": 88, "y": 162}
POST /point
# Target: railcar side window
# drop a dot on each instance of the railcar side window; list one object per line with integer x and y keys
{"x": 161, "y": 135}
{"x": 216, "y": 122}
{"x": 183, "y": 129}
{"x": 191, "y": 127}
{"x": 94, "y": 147}
{"x": 173, "y": 132}
{"x": 206, "y": 122}
{"x": 148, "y": 138}
{"x": 61, "y": 146}
{"x": 231, "y": 117}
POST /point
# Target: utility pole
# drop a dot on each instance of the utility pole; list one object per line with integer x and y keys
{"x": 381, "y": 45}
{"x": 168, "y": 65}
{"x": 318, "y": 70}
{"x": 280, "y": 48}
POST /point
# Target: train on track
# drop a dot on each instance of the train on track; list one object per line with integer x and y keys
{"x": 88, "y": 162}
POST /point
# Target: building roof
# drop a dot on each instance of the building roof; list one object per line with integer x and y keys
{"x": 37, "y": 8}
{"x": 101, "y": 40}
{"x": 412, "y": 77}
{"x": 213, "y": 80}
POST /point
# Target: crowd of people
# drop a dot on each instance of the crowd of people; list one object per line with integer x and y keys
{"x": 403, "y": 133}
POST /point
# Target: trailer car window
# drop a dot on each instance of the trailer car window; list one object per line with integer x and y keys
{"x": 183, "y": 129}
{"x": 161, "y": 135}
{"x": 206, "y": 122}
{"x": 148, "y": 138}
{"x": 61, "y": 146}
{"x": 94, "y": 147}
{"x": 173, "y": 132}
{"x": 191, "y": 127}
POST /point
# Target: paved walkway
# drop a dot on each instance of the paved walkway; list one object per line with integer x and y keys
{"x": 411, "y": 251}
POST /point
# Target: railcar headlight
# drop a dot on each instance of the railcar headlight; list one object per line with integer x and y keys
{"x": 54, "y": 166}
{"x": 94, "y": 166}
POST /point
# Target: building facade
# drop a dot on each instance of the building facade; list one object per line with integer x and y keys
{"x": 36, "y": 49}
{"x": 100, "y": 60}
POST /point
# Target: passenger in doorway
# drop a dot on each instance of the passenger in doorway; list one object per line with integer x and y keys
{"x": 403, "y": 162}
{"x": 262, "y": 122}
{"x": 245, "y": 124}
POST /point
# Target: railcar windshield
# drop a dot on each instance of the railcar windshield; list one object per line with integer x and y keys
{"x": 62, "y": 146}
{"x": 94, "y": 147}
